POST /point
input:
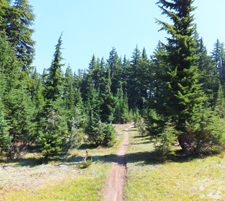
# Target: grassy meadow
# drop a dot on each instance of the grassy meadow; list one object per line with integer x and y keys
{"x": 178, "y": 178}
{"x": 60, "y": 179}
{"x": 148, "y": 177}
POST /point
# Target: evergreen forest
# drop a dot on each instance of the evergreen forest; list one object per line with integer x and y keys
{"x": 175, "y": 95}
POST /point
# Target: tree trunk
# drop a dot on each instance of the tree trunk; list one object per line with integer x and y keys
{"x": 182, "y": 142}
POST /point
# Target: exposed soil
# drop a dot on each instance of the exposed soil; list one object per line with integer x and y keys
{"x": 114, "y": 186}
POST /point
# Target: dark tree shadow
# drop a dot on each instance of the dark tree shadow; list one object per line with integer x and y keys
{"x": 140, "y": 143}
{"x": 87, "y": 146}
{"x": 153, "y": 158}
{"x": 32, "y": 161}
{"x": 140, "y": 158}
{"x": 143, "y": 137}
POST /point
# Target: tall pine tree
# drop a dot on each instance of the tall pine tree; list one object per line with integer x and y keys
{"x": 182, "y": 95}
{"x": 54, "y": 134}
{"x": 16, "y": 20}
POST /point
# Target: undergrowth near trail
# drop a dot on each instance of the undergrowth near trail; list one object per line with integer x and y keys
{"x": 178, "y": 178}
{"x": 59, "y": 179}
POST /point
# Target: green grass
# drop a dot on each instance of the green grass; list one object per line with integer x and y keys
{"x": 184, "y": 178}
{"x": 85, "y": 185}
{"x": 148, "y": 178}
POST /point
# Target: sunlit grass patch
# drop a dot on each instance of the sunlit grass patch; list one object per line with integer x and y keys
{"x": 84, "y": 186}
{"x": 191, "y": 178}
{"x": 62, "y": 178}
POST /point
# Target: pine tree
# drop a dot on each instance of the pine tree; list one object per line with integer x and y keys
{"x": 20, "y": 115}
{"x": 38, "y": 95}
{"x": 69, "y": 91}
{"x": 145, "y": 77}
{"x": 156, "y": 70}
{"x": 73, "y": 104}
{"x": 54, "y": 81}
{"x": 15, "y": 100}
{"x": 52, "y": 140}
{"x": 116, "y": 70}
{"x": 216, "y": 54}
{"x": 94, "y": 71}
{"x": 182, "y": 96}
{"x": 54, "y": 133}
{"x": 33, "y": 83}
{"x": 16, "y": 20}
{"x": 218, "y": 58}
{"x": 5, "y": 139}
{"x": 100, "y": 108}
{"x": 125, "y": 77}
{"x": 103, "y": 81}
{"x": 92, "y": 104}
{"x": 138, "y": 79}
{"x": 44, "y": 76}
{"x": 38, "y": 102}
{"x": 121, "y": 108}
{"x": 219, "y": 107}
{"x": 208, "y": 72}
{"x": 107, "y": 105}
{"x": 84, "y": 86}
{"x": 8, "y": 63}
{"x": 134, "y": 80}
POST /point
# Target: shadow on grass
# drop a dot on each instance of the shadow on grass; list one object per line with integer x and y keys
{"x": 87, "y": 146}
{"x": 140, "y": 158}
{"x": 132, "y": 129}
{"x": 145, "y": 139}
{"x": 140, "y": 136}
{"x": 32, "y": 161}
{"x": 153, "y": 158}
{"x": 138, "y": 143}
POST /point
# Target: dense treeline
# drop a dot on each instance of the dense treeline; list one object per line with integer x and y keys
{"x": 178, "y": 90}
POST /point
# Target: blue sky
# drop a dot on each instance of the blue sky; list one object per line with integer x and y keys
{"x": 94, "y": 27}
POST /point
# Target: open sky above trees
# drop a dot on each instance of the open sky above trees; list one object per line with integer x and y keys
{"x": 94, "y": 27}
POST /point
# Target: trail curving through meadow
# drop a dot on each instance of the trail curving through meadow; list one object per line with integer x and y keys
{"x": 114, "y": 186}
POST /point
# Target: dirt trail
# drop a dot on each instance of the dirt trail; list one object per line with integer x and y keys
{"x": 114, "y": 186}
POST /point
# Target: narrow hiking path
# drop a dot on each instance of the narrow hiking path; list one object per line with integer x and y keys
{"x": 114, "y": 186}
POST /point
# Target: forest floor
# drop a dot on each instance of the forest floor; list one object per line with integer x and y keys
{"x": 145, "y": 175}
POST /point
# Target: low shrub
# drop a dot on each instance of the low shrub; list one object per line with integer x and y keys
{"x": 87, "y": 163}
{"x": 102, "y": 134}
{"x": 166, "y": 139}
{"x": 141, "y": 126}
{"x": 204, "y": 135}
